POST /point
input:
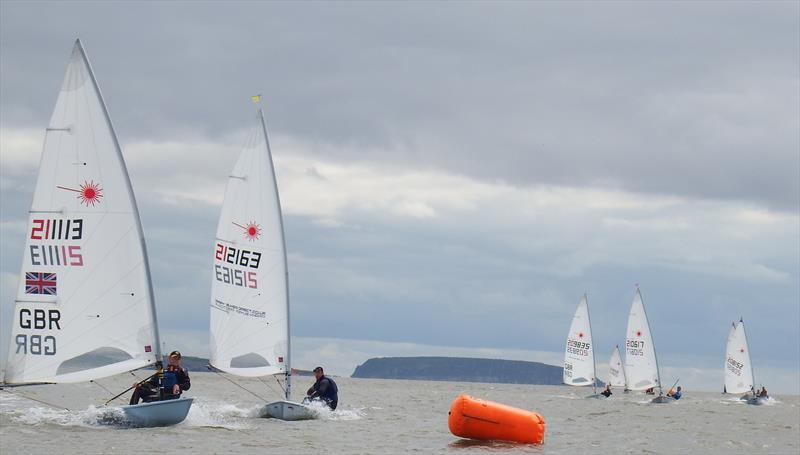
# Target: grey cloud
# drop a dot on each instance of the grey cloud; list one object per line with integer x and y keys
{"x": 693, "y": 99}
{"x": 471, "y": 279}
{"x": 689, "y": 99}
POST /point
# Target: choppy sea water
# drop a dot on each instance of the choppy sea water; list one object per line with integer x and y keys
{"x": 388, "y": 416}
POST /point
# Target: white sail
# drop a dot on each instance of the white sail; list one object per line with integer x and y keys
{"x": 616, "y": 370}
{"x": 249, "y": 294}
{"x": 84, "y": 306}
{"x": 738, "y": 367}
{"x": 641, "y": 364}
{"x": 579, "y": 367}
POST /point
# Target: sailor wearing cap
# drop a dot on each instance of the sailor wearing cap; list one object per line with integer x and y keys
{"x": 166, "y": 384}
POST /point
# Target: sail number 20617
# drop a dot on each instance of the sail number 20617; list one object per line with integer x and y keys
{"x": 635, "y": 347}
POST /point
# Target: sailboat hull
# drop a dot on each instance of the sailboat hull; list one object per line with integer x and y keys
{"x": 158, "y": 413}
{"x": 662, "y": 399}
{"x": 755, "y": 400}
{"x": 288, "y": 410}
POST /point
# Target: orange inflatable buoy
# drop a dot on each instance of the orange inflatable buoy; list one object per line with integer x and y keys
{"x": 480, "y": 419}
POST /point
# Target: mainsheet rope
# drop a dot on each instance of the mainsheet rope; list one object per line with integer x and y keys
{"x": 36, "y": 400}
{"x": 238, "y": 385}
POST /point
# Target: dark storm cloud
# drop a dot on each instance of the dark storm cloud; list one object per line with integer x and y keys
{"x": 695, "y": 99}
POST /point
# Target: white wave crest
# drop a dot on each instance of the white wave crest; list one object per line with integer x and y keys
{"x": 218, "y": 414}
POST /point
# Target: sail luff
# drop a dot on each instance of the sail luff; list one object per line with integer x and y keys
{"x": 132, "y": 198}
{"x": 655, "y": 353}
{"x": 591, "y": 337}
{"x": 288, "y": 364}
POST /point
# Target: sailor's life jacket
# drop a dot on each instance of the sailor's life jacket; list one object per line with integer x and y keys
{"x": 326, "y": 390}
{"x": 177, "y": 376}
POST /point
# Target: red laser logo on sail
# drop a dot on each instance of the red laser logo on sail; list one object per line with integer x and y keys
{"x": 89, "y": 193}
{"x": 252, "y": 231}
{"x": 580, "y": 335}
{"x": 638, "y": 333}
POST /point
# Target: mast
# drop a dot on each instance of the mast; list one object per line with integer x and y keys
{"x": 594, "y": 362}
{"x": 622, "y": 367}
{"x": 140, "y": 231}
{"x": 288, "y": 364}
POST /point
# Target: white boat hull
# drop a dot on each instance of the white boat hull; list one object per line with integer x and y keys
{"x": 158, "y": 413}
{"x": 288, "y": 410}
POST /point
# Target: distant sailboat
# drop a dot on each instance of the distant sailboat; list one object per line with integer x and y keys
{"x": 739, "y": 377}
{"x": 84, "y": 307}
{"x": 641, "y": 363}
{"x": 250, "y": 330}
{"x": 616, "y": 370}
{"x": 579, "y": 365}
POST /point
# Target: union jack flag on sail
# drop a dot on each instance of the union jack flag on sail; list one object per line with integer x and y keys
{"x": 40, "y": 283}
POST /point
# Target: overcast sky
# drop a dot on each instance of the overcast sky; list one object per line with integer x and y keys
{"x": 454, "y": 176}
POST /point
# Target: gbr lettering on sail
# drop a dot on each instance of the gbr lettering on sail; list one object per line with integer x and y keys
{"x": 53, "y": 243}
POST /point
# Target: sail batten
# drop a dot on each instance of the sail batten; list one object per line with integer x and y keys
{"x": 85, "y": 255}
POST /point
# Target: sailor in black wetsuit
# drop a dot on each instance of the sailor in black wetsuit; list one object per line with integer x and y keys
{"x": 324, "y": 389}
{"x": 175, "y": 381}
{"x": 607, "y": 392}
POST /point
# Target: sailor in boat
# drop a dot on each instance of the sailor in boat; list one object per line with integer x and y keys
{"x": 324, "y": 390}
{"x": 676, "y": 394}
{"x": 650, "y": 391}
{"x": 607, "y": 392}
{"x": 763, "y": 393}
{"x": 164, "y": 385}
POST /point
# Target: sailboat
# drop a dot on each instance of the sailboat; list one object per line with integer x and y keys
{"x": 250, "y": 329}
{"x": 739, "y": 377}
{"x": 84, "y": 305}
{"x": 579, "y": 366}
{"x": 616, "y": 370}
{"x": 641, "y": 363}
